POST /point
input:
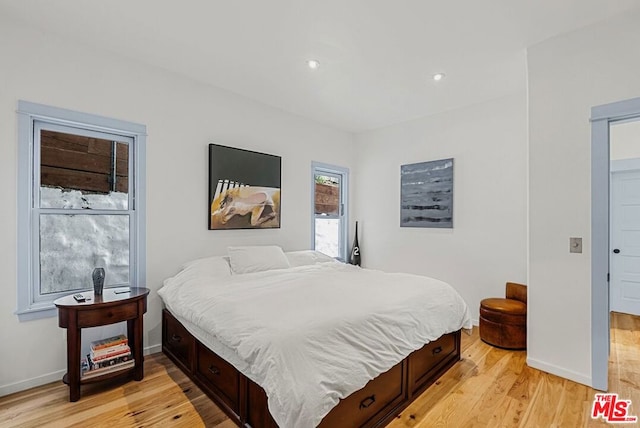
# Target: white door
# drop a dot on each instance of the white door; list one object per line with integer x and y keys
{"x": 625, "y": 242}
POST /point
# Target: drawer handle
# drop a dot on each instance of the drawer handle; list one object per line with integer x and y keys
{"x": 367, "y": 402}
{"x": 437, "y": 350}
{"x": 214, "y": 370}
{"x": 176, "y": 338}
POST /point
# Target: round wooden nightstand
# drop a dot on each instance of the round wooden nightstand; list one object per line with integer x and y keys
{"x": 114, "y": 305}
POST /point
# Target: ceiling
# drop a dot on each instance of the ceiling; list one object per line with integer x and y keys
{"x": 376, "y": 56}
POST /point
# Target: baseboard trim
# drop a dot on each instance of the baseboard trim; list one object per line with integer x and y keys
{"x": 56, "y": 376}
{"x": 559, "y": 371}
{"x": 153, "y": 349}
{"x": 31, "y": 383}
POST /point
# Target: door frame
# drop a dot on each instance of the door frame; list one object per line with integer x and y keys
{"x": 601, "y": 118}
{"x": 319, "y": 167}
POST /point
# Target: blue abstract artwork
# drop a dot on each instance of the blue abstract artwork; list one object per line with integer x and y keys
{"x": 426, "y": 194}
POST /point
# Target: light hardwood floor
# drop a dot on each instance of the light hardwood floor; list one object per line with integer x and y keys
{"x": 490, "y": 387}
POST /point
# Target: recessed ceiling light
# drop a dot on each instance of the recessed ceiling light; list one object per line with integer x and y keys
{"x": 313, "y": 64}
{"x": 438, "y": 76}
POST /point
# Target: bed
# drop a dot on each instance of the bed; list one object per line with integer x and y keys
{"x": 301, "y": 340}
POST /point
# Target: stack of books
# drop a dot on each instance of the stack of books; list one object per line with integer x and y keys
{"x": 106, "y": 356}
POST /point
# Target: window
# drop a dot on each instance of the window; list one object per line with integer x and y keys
{"x": 329, "y": 225}
{"x": 80, "y": 204}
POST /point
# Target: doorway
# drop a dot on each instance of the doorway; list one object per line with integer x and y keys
{"x": 602, "y": 119}
{"x": 624, "y": 215}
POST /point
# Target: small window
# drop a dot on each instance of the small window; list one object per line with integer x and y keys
{"x": 80, "y": 203}
{"x": 330, "y": 210}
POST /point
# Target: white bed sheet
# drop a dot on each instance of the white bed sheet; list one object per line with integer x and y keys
{"x": 311, "y": 335}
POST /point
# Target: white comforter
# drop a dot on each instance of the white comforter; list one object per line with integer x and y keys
{"x": 312, "y": 335}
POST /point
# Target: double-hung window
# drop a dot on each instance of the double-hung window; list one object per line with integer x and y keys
{"x": 329, "y": 205}
{"x": 80, "y": 204}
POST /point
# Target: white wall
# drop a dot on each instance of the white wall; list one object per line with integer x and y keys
{"x": 567, "y": 76}
{"x": 181, "y": 117}
{"x": 624, "y": 140}
{"x": 487, "y": 245}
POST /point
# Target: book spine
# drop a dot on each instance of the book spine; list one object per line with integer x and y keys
{"x": 107, "y": 345}
{"x": 112, "y": 361}
{"x": 111, "y": 341}
{"x": 110, "y": 355}
{"x": 109, "y": 350}
{"x": 112, "y": 368}
{"x": 92, "y": 365}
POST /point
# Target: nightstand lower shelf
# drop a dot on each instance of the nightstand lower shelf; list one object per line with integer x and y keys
{"x": 129, "y": 371}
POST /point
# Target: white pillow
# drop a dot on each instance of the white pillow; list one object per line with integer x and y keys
{"x": 307, "y": 257}
{"x": 256, "y": 259}
{"x": 209, "y": 266}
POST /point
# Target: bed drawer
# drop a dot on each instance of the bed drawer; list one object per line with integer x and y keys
{"x": 177, "y": 340}
{"x": 381, "y": 394}
{"x": 424, "y": 361}
{"x": 219, "y": 376}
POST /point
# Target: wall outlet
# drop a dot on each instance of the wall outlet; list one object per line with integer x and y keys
{"x": 575, "y": 245}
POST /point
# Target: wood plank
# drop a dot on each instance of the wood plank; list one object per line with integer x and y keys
{"x": 519, "y": 396}
{"x": 326, "y": 209}
{"x": 571, "y": 409}
{"x": 81, "y": 154}
{"x": 76, "y": 143}
{"x": 489, "y": 387}
{"x": 83, "y": 145}
{"x": 326, "y": 199}
{"x": 101, "y": 164}
{"x": 80, "y": 180}
{"x": 490, "y": 407}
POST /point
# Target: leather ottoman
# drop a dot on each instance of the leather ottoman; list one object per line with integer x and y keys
{"x": 503, "y": 323}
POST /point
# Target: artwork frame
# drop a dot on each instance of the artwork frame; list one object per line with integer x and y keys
{"x": 244, "y": 189}
{"x": 426, "y": 194}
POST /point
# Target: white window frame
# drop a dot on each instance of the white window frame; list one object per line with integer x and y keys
{"x": 32, "y": 118}
{"x": 343, "y": 173}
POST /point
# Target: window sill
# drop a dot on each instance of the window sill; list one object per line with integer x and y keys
{"x": 31, "y": 314}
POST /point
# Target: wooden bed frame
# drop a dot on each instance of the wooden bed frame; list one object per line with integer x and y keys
{"x": 375, "y": 405}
